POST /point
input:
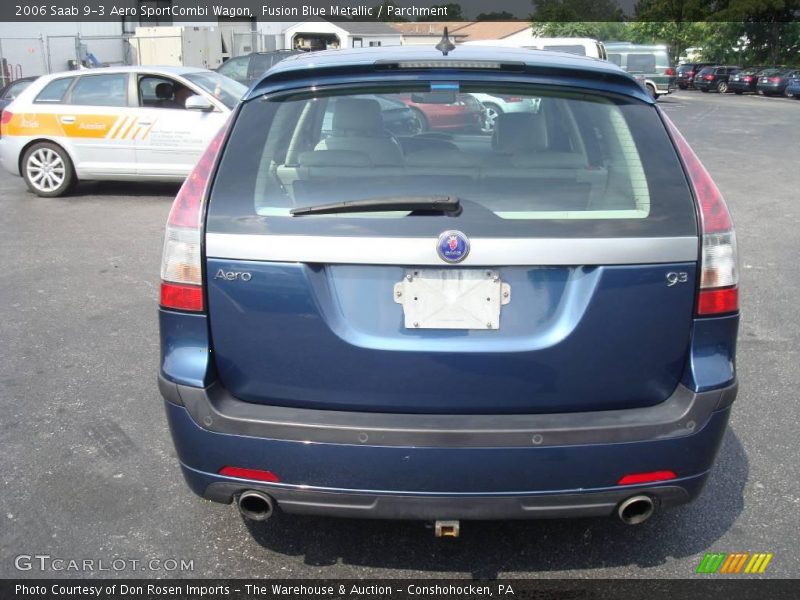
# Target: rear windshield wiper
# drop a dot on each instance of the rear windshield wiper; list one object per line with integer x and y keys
{"x": 414, "y": 204}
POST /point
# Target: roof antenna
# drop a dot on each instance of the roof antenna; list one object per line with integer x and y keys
{"x": 445, "y": 45}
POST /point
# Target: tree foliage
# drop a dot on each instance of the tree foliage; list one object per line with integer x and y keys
{"x": 745, "y": 32}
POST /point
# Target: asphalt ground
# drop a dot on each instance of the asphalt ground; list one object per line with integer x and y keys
{"x": 88, "y": 469}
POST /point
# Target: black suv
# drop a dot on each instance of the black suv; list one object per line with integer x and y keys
{"x": 245, "y": 69}
{"x": 715, "y": 78}
{"x": 686, "y": 74}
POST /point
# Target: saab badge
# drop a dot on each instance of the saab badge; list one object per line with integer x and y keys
{"x": 453, "y": 247}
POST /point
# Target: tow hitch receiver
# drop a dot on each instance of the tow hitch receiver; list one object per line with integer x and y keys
{"x": 449, "y": 529}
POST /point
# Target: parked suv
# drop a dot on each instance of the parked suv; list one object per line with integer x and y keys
{"x": 537, "y": 323}
{"x": 650, "y": 64}
{"x": 687, "y": 72}
{"x": 246, "y": 69}
{"x": 714, "y": 78}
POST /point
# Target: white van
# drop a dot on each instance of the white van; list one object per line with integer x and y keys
{"x": 579, "y": 46}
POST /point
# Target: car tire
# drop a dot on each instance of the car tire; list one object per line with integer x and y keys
{"x": 651, "y": 90}
{"x": 47, "y": 170}
{"x": 722, "y": 87}
{"x": 787, "y": 93}
{"x": 422, "y": 121}
{"x": 493, "y": 112}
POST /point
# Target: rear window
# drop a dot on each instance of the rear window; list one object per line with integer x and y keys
{"x": 55, "y": 90}
{"x": 641, "y": 63}
{"x": 571, "y": 49}
{"x": 561, "y": 164}
{"x": 101, "y": 90}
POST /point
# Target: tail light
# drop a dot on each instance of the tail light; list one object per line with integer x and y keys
{"x": 669, "y": 71}
{"x": 719, "y": 275}
{"x": 708, "y": 77}
{"x": 513, "y": 98}
{"x": 774, "y": 79}
{"x": 181, "y": 265}
{"x": 5, "y": 119}
{"x": 747, "y": 78}
{"x": 690, "y": 73}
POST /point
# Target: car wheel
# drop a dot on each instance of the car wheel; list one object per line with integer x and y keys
{"x": 47, "y": 170}
{"x": 787, "y": 93}
{"x": 421, "y": 123}
{"x": 493, "y": 112}
{"x": 652, "y": 91}
{"x": 722, "y": 87}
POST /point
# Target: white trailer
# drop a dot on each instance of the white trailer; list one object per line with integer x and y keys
{"x": 178, "y": 46}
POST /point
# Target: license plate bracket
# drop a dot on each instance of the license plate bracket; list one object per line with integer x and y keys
{"x": 452, "y": 298}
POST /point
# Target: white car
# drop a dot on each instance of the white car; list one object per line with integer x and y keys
{"x": 116, "y": 123}
{"x": 497, "y": 105}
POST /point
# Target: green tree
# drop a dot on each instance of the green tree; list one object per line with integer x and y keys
{"x": 677, "y": 35}
{"x": 598, "y": 30}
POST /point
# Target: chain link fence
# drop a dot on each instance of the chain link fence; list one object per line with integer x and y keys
{"x": 34, "y": 56}
{"x": 21, "y": 57}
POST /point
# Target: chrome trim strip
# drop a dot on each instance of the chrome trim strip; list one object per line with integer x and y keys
{"x": 422, "y": 250}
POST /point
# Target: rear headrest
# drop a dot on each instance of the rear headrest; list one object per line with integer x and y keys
{"x": 520, "y": 132}
{"x": 357, "y": 116}
{"x": 164, "y": 91}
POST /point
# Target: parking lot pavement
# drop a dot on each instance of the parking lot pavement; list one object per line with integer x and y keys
{"x": 89, "y": 472}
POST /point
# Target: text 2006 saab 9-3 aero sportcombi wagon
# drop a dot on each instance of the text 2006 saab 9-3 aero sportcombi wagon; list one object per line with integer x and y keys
{"x": 537, "y": 323}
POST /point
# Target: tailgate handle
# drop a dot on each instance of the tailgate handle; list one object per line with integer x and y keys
{"x": 68, "y": 119}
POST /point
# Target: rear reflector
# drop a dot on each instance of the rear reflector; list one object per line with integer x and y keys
{"x": 253, "y": 474}
{"x": 182, "y": 297}
{"x": 714, "y": 302}
{"x": 5, "y": 119}
{"x": 719, "y": 273}
{"x": 651, "y": 477}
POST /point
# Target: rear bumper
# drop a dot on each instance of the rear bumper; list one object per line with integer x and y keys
{"x": 370, "y": 505}
{"x": 437, "y": 466}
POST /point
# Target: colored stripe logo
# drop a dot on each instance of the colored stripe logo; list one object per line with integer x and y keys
{"x": 734, "y": 562}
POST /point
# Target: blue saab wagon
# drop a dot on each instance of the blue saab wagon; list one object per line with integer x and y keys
{"x": 537, "y": 322}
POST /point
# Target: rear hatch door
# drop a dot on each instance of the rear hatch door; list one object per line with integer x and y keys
{"x": 564, "y": 283}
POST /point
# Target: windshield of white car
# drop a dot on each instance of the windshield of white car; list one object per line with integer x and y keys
{"x": 224, "y": 89}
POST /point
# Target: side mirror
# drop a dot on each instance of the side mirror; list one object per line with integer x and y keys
{"x": 198, "y": 102}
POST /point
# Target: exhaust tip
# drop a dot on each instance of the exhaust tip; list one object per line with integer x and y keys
{"x": 255, "y": 505}
{"x": 636, "y": 510}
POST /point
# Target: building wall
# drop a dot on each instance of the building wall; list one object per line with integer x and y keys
{"x": 521, "y": 37}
